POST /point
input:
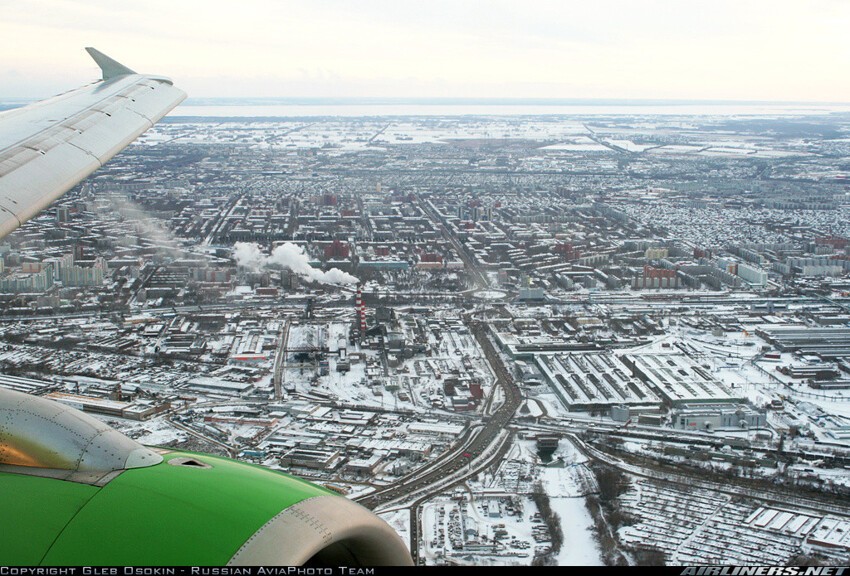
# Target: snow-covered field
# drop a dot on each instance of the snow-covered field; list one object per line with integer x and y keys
{"x": 494, "y": 521}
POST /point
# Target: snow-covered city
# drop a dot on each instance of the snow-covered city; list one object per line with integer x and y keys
{"x": 601, "y": 339}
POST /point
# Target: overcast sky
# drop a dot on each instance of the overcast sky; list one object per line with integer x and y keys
{"x": 682, "y": 49}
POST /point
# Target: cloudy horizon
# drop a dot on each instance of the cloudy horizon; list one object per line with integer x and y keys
{"x": 746, "y": 50}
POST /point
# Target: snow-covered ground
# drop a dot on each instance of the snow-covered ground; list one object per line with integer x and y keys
{"x": 495, "y": 521}
{"x": 400, "y": 521}
{"x": 156, "y": 432}
{"x": 580, "y": 547}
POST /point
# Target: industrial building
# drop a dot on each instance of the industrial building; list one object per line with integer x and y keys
{"x": 316, "y": 459}
{"x": 364, "y": 466}
{"x": 217, "y": 386}
{"x": 410, "y": 449}
{"x": 21, "y": 384}
{"x": 678, "y": 380}
{"x": 649, "y": 415}
{"x": 133, "y": 410}
{"x": 717, "y": 416}
{"x": 828, "y": 343}
{"x": 593, "y": 381}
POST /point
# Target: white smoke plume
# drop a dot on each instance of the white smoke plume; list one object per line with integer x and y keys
{"x": 144, "y": 224}
{"x": 291, "y": 256}
{"x": 248, "y": 255}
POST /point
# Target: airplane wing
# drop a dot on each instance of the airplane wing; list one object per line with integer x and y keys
{"x": 48, "y": 147}
{"x": 86, "y": 493}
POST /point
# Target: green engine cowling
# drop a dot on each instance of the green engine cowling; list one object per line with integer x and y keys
{"x": 176, "y": 508}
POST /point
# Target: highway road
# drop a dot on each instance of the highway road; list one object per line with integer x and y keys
{"x": 414, "y": 507}
{"x": 280, "y": 360}
{"x": 488, "y": 440}
{"x": 472, "y": 445}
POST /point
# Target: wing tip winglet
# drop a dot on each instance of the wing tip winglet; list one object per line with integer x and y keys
{"x": 110, "y": 68}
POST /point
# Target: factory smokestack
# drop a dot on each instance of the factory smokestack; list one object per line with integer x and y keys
{"x": 361, "y": 310}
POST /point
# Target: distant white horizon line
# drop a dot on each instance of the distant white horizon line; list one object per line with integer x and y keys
{"x": 487, "y": 100}
{"x": 472, "y": 100}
